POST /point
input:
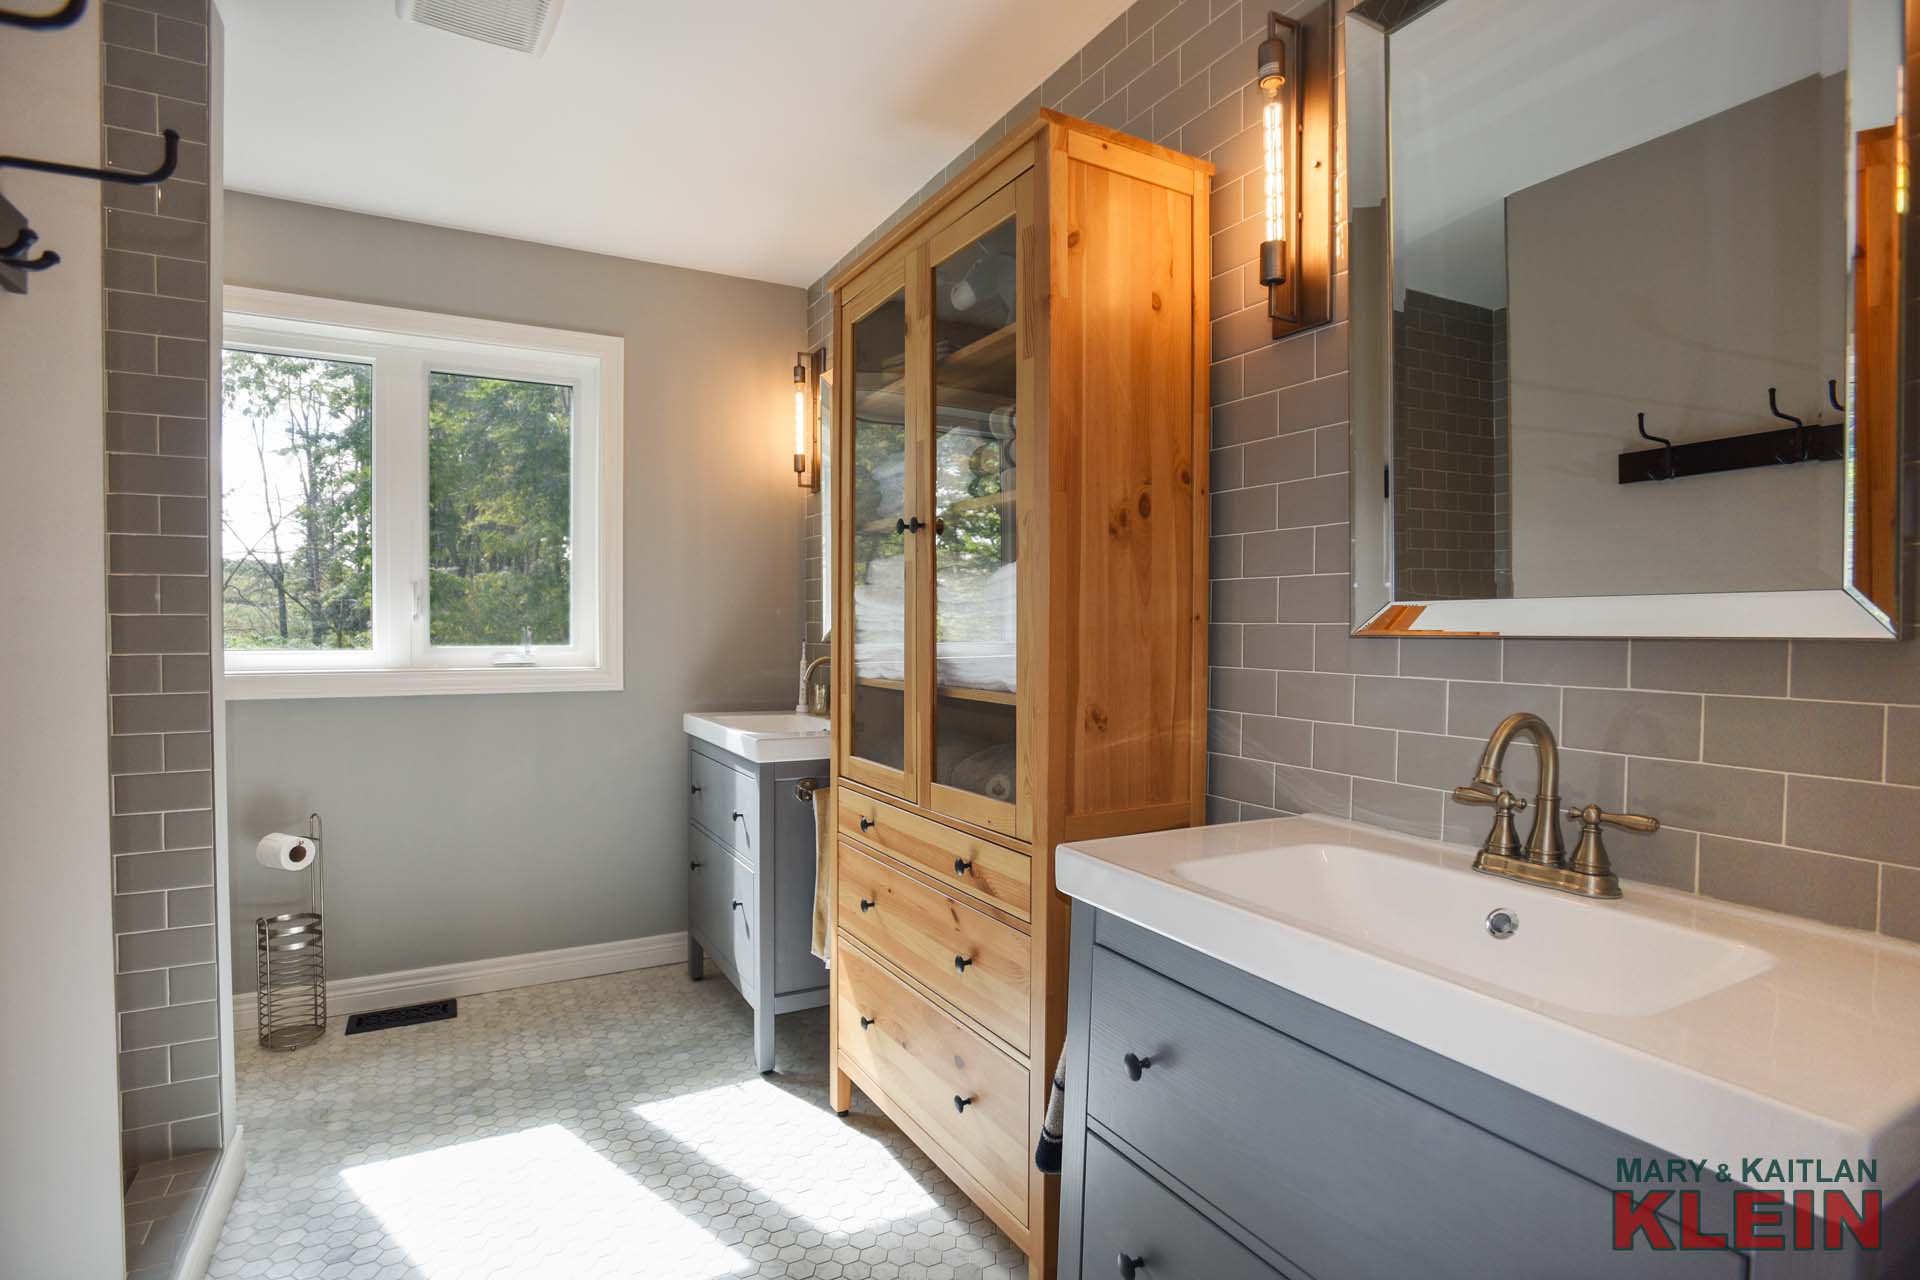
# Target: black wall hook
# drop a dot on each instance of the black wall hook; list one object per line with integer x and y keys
{"x": 1666, "y": 462}
{"x": 168, "y": 164}
{"x": 65, "y": 16}
{"x": 1799, "y": 453}
{"x": 1833, "y": 394}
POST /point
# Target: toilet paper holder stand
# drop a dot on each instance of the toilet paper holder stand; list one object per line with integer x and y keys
{"x": 291, "y": 997}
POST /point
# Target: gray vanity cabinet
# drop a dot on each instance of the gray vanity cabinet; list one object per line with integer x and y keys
{"x": 1220, "y": 1127}
{"x": 750, "y": 883}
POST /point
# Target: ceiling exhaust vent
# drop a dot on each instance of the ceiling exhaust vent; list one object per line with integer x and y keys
{"x": 524, "y": 25}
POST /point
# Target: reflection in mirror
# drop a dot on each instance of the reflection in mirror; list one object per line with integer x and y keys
{"x": 1624, "y": 324}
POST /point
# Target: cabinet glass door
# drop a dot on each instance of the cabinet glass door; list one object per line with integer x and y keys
{"x": 975, "y": 455}
{"x": 882, "y": 560}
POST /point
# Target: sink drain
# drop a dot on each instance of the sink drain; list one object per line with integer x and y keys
{"x": 1502, "y": 923}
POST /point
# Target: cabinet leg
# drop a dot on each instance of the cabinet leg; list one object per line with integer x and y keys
{"x": 696, "y": 960}
{"x": 763, "y": 1037}
{"x": 840, "y": 1092}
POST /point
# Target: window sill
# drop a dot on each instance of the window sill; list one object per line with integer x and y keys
{"x": 260, "y": 686}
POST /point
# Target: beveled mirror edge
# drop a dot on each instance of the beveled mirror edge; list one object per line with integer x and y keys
{"x": 1843, "y": 612}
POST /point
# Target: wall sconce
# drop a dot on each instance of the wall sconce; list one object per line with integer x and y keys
{"x": 1295, "y": 75}
{"x": 806, "y": 449}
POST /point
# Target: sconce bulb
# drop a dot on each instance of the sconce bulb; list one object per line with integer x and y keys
{"x": 800, "y": 428}
{"x": 1274, "y": 139}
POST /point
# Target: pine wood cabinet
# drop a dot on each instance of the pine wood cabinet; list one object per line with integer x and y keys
{"x": 1019, "y": 559}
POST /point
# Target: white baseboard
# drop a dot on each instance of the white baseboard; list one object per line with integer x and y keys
{"x": 225, "y": 1185}
{"x": 472, "y": 977}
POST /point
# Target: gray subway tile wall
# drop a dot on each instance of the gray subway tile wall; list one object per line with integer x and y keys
{"x": 1788, "y": 774}
{"x": 160, "y": 563}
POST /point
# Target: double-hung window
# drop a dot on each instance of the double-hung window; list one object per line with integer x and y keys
{"x": 416, "y": 503}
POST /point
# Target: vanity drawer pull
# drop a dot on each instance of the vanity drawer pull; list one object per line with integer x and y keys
{"x": 962, "y": 865}
{"x": 737, "y": 904}
{"x": 1130, "y": 1264}
{"x": 865, "y": 1022}
{"x": 866, "y": 824}
{"x": 737, "y": 815}
{"x": 866, "y": 905}
{"x": 694, "y": 865}
{"x": 961, "y": 1104}
{"x": 696, "y": 789}
{"x": 960, "y": 963}
{"x": 1135, "y": 1065}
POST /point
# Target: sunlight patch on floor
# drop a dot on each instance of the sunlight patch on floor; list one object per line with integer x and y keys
{"x": 535, "y": 1205}
{"x": 770, "y": 1140}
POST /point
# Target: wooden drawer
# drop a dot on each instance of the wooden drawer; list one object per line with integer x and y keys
{"x": 726, "y": 802}
{"x": 716, "y": 882}
{"x": 963, "y": 955}
{"x": 1130, "y": 1215}
{"x": 1300, "y": 1148}
{"x": 923, "y": 1059}
{"x": 980, "y": 867}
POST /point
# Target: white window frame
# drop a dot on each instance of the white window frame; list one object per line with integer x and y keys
{"x": 405, "y": 347}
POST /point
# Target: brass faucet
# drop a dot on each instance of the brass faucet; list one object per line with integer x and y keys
{"x": 1544, "y": 862}
{"x": 816, "y": 699}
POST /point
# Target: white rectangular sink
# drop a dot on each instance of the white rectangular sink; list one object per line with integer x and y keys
{"x": 1710, "y": 1031}
{"x": 764, "y": 737}
{"x": 1564, "y": 950}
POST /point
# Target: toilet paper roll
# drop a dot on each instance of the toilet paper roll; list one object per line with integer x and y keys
{"x": 286, "y": 853}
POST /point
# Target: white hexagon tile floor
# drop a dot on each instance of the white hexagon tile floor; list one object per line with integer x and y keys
{"x": 610, "y": 1127}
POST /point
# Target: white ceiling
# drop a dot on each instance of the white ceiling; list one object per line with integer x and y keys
{"x": 759, "y": 138}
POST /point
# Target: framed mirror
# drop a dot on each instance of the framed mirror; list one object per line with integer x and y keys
{"x": 1625, "y": 288}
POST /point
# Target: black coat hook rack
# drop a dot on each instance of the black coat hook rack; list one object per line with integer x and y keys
{"x": 13, "y": 259}
{"x": 1783, "y": 446}
{"x": 65, "y": 16}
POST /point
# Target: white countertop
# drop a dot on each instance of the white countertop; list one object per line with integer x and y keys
{"x": 1765, "y": 1036}
{"x": 764, "y": 737}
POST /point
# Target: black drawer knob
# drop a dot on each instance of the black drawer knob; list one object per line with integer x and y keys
{"x": 866, "y": 824}
{"x": 1135, "y": 1065}
{"x": 737, "y": 904}
{"x": 960, "y": 963}
{"x": 737, "y": 815}
{"x": 696, "y": 788}
{"x": 961, "y": 1104}
{"x": 694, "y": 865}
{"x": 865, "y": 1022}
{"x": 1130, "y": 1264}
{"x": 866, "y": 904}
{"x": 962, "y": 865}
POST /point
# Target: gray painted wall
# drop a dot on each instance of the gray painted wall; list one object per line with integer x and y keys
{"x": 1788, "y": 774}
{"x": 466, "y": 827}
{"x": 60, "y": 1178}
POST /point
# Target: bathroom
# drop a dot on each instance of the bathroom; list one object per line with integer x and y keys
{"x": 1423, "y": 737}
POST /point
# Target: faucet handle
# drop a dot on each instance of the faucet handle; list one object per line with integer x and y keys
{"x": 1594, "y": 816}
{"x": 1502, "y": 799}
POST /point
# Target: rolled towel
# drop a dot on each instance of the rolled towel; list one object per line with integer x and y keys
{"x": 1046, "y": 1152}
{"x": 987, "y": 772}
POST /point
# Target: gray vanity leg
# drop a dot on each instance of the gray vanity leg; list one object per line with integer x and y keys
{"x": 763, "y": 1036}
{"x": 696, "y": 960}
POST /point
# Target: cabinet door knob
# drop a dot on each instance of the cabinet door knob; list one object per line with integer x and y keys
{"x": 866, "y": 824}
{"x": 694, "y": 865}
{"x": 1135, "y": 1065}
{"x": 737, "y": 815}
{"x": 961, "y": 1104}
{"x": 694, "y": 789}
{"x": 914, "y": 525}
{"x": 866, "y": 904}
{"x": 1130, "y": 1264}
{"x": 865, "y": 1022}
{"x": 960, "y": 963}
{"x": 962, "y": 865}
{"x": 737, "y": 904}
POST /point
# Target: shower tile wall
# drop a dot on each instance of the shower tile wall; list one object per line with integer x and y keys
{"x": 159, "y": 588}
{"x": 1788, "y": 774}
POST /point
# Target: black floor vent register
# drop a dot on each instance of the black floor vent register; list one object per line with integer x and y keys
{"x": 406, "y": 1016}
